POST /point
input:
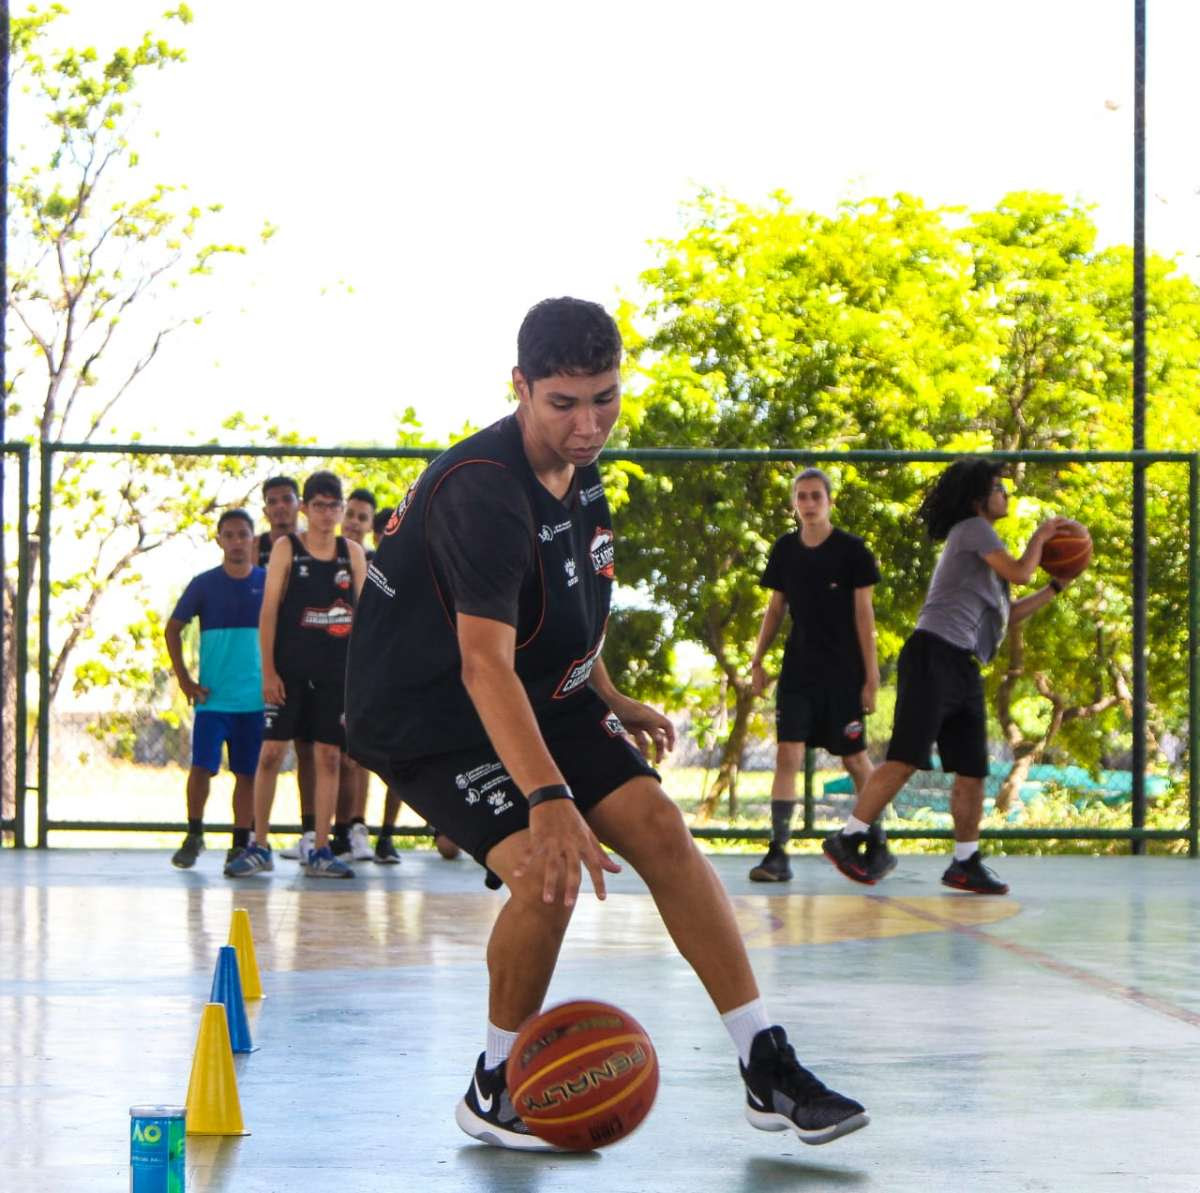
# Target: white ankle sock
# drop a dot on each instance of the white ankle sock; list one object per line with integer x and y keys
{"x": 743, "y": 1024}
{"x": 499, "y": 1045}
{"x": 854, "y": 825}
{"x": 964, "y": 849}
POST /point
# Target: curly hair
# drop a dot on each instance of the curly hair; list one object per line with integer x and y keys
{"x": 957, "y": 494}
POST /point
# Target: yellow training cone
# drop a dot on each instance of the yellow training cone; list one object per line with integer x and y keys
{"x": 213, "y": 1107}
{"x": 243, "y": 941}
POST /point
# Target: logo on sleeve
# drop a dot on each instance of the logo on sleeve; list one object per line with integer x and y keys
{"x": 603, "y": 552}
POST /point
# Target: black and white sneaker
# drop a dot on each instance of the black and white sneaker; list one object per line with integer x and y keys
{"x": 486, "y": 1113}
{"x": 782, "y": 1094}
{"x": 972, "y": 875}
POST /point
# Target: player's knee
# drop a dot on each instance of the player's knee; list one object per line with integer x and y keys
{"x": 328, "y": 758}
{"x": 270, "y": 757}
{"x": 789, "y": 756}
{"x": 664, "y": 829}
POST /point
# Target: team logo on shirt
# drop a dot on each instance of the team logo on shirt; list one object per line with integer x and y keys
{"x": 587, "y": 496}
{"x": 335, "y": 621}
{"x": 569, "y": 568}
{"x": 547, "y": 532}
{"x": 579, "y": 672}
{"x": 342, "y": 579}
{"x": 853, "y": 731}
{"x": 393, "y": 523}
{"x": 464, "y": 780}
{"x": 602, "y": 552}
{"x": 302, "y": 570}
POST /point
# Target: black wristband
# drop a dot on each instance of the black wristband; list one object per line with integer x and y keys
{"x": 539, "y": 795}
{"x": 1055, "y": 585}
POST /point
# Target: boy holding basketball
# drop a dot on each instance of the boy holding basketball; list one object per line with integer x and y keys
{"x": 939, "y": 693}
{"x": 475, "y": 685}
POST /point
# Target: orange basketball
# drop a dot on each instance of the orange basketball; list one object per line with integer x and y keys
{"x": 582, "y": 1074}
{"x": 1066, "y": 554}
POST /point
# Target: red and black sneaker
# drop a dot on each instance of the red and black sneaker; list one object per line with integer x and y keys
{"x": 879, "y": 860}
{"x": 847, "y": 851}
{"x": 972, "y": 875}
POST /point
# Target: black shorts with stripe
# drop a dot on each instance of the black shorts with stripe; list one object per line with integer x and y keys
{"x": 472, "y": 799}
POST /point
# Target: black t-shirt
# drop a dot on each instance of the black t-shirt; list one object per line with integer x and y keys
{"x": 315, "y": 615}
{"x": 478, "y": 534}
{"x": 486, "y": 575}
{"x": 819, "y": 584}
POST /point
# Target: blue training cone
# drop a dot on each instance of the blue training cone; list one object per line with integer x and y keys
{"x": 227, "y": 990}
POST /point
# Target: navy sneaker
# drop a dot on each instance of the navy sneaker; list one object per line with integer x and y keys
{"x": 847, "y": 851}
{"x": 782, "y": 1095}
{"x": 972, "y": 875}
{"x": 486, "y": 1113}
{"x": 254, "y": 859}
{"x": 385, "y": 851}
{"x": 322, "y": 864}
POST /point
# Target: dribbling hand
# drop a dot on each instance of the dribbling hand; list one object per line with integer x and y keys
{"x": 562, "y": 843}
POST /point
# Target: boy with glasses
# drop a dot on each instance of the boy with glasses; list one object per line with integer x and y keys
{"x": 939, "y": 688}
{"x": 313, "y": 582}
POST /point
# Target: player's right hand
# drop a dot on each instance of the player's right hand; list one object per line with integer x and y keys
{"x": 759, "y": 679}
{"x": 194, "y": 692}
{"x": 561, "y": 841}
{"x": 273, "y": 692}
{"x": 1051, "y": 526}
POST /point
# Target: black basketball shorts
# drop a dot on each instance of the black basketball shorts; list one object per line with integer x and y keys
{"x": 473, "y": 800}
{"x": 939, "y": 698}
{"x": 829, "y": 716}
{"x": 310, "y": 712}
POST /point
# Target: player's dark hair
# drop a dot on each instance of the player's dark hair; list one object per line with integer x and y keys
{"x": 957, "y": 494}
{"x": 323, "y": 484}
{"x": 363, "y": 495}
{"x": 280, "y": 482}
{"x": 567, "y": 335}
{"x": 381, "y": 519}
{"x": 813, "y": 474}
{"x": 231, "y": 515}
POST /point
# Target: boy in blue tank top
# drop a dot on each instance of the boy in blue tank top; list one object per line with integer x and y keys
{"x": 228, "y": 694}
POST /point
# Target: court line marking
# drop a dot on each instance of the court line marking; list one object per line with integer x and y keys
{"x": 1130, "y": 994}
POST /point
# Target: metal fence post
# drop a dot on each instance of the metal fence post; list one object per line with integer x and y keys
{"x": 1194, "y": 656}
{"x": 43, "y": 716}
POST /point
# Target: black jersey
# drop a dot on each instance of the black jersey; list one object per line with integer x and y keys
{"x": 265, "y": 543}
{"x": 315, "y": 615}
{"x": 819, "y": 584}
{"x": 477, "y": 533}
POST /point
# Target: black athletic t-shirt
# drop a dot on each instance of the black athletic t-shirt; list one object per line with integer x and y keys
{"x": 819, "y": 584}
{"x": 265, "y": 543}
{"x": 315, "y": 615}
{"x": 477, "y": 534}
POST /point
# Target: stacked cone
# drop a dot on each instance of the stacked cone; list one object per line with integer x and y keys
{"x": 213, "y": 1106}
{"x": 242, "y": 940}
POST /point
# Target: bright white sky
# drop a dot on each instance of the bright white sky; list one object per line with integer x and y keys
{"x": 434, "y": 169}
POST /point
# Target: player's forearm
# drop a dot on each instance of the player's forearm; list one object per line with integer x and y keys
{"x": 503, "y": 706}
{"x": 174, "y": 643}
{"x": 601, "y": 683}
{"x": 864, "y": 625}
{"x": 1029, "y": 605}
{"x": 772, "y": 619}
{"x": 266, "y": 640}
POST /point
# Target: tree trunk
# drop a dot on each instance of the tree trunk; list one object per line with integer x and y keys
{"x": 1026, "y": 756}
{"x": 731, "y": 756}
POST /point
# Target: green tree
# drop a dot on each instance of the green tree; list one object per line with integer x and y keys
{"x": 892, "y": 325}
{"x": 103, "y": 270}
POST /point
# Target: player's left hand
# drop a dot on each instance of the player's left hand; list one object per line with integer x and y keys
{"x": 650, "y": 729}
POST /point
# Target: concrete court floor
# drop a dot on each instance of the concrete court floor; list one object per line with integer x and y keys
{"x": 1047, "y": 1041}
